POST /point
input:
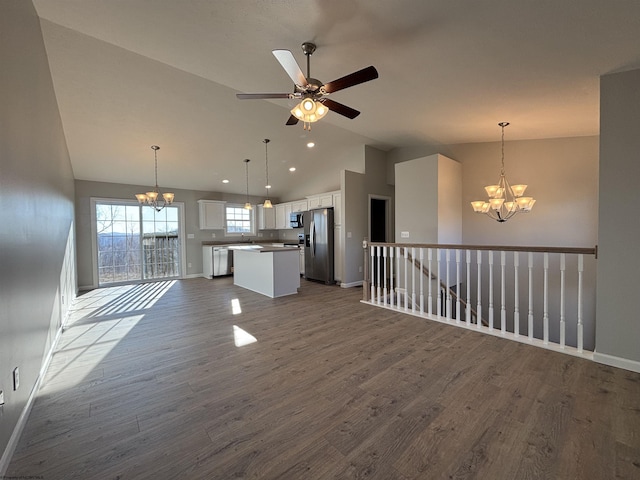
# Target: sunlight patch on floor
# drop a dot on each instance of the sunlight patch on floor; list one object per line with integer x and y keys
{"x": 242, "y": 337}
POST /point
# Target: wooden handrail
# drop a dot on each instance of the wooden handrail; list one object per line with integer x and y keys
{"x": 505, "y": 248}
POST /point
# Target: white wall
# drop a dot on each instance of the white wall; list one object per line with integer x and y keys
{"x": 618, "y": 326}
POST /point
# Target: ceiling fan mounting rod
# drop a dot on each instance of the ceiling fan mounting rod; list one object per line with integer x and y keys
{"x": 308, "y": 48}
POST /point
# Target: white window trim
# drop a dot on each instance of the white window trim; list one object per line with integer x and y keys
{"x": 252, "y": 218}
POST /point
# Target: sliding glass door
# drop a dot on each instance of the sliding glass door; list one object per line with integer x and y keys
{"x": 135, "y": 243}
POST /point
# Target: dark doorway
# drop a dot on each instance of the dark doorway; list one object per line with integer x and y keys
{"x": 378, "y": 220}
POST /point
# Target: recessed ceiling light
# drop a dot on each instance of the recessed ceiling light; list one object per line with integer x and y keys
{"x": 225, "y": 181}
{"x": 311, "y": 144}
{"x": 292, "y": 169}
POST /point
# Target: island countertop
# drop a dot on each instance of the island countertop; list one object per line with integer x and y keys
{"x": 261, "y": 248}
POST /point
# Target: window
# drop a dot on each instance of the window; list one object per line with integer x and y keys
{"x": 135, "y": 243}
{"x": 239, "y": 221}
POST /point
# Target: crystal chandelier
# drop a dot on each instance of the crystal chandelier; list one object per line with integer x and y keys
{"x": 267, "y": 202}
{"x": 152, "y": 198}
{"x": 505, "y": 200}
{"x": 247, "y": 205}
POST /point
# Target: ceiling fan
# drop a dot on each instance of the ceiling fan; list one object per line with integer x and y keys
{"x": 311, "y": 92}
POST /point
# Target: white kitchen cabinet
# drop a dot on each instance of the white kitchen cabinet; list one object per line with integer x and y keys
{"x": 299, "y": 206}
{"x": 266, "y": 218}
{"x": 211, "y": 214}
{"x": 320, "y": 201}
{"x": 283, "y": 212}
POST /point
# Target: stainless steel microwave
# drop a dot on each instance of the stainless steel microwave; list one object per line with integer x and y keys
{"x": 295, "y": 220}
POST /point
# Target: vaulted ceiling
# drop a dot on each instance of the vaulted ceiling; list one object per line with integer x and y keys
{"x": 132, "y": 73}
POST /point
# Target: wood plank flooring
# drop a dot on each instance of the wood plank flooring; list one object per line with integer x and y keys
{"x": 148, "y": 383}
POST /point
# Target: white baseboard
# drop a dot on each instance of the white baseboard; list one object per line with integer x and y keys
{"x": 618, "y": 362}
{"x": 24, "y": 415}
{"x": 351, "y": 284}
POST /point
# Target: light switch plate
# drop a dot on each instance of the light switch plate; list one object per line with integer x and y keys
{"x": 404, "y": 234}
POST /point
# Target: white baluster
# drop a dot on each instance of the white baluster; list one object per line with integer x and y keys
{"x": 391, "y": 275}
{"x": 378, "y": 289}
{"x": 562, "y": 316}
{"x": 371, "y": 275}
{"x": 421, "y": 280}
{"x": 430, "y": 296}
{"x": 545, "y": 308}
{"x": 439, "y": 312}
{"x": 490, "y": 289}
{"x": 398, "y": 286}
{"x": 479, "y": 303}
{"x": 530, "y": 312}
{"x": 413, "y": 279}
{"x": 503, "y": 307}
{"x": 457, "y": 286}
{"x": 580, "y": 327}
{"x": 384, "y": 275}
{"x": 468, "y": 306}
{"x": 448, "y": 290}
{"x": 516, "y": 295}
{"x": 406, "y": 283}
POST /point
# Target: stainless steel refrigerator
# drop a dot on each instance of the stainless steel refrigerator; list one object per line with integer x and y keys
{"x": 318, "y": 245}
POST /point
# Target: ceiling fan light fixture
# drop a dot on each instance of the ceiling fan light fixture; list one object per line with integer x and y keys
{"x": 309, "y": 111}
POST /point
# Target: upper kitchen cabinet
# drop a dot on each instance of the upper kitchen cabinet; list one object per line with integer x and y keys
{"x": 211, "y": 214}
{"x": 299, "y": 206}
{"x": 283, "y": 212}
{"x": 320, "y": 201}
{"x": 266, "y": 218}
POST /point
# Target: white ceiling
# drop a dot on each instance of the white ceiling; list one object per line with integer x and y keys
{"x": 132, "y": 73}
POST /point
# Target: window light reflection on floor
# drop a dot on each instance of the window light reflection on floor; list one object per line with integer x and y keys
{"x": 241, "y": 337}
{"x": 235, "y": 306}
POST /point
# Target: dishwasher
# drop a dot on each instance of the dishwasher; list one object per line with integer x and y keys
{"x": 217, "y": 261}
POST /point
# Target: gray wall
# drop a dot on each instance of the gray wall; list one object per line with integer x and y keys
{"x": 562, "y": 174}
{"x": 356, "y": 188}
{"x": 193, "y": 248}
{"x": 36, "y": 221}
{"x": 618, "y": 328}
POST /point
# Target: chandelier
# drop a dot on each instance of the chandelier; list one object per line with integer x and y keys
{"x": 247, "y": 205}
{"x": 267, "y": 202}
{"x": 505, "y": 200}
{"x": 152, "y": 198}
{"x": 309, "y": 111}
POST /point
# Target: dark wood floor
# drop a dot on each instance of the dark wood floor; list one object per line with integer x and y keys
{"x": 148, "y": 383}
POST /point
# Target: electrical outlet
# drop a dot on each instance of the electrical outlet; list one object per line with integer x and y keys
{"x": 213, "y": 235}
{"x": 16, "y": 378}
{"x": 189, "y": 265}
{"x": 190, "y": 235}
{"x": 404, "y": 234}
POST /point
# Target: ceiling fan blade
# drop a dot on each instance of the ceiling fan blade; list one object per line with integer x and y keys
{"x": 340, "y": 108}
{"x": 252, "y": 96}
{"x": 292, "y": 120}
{"x": 355, "y": 78}
{"x": 288, "y": 62}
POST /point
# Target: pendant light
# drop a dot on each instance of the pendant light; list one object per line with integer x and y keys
{"x": 505, "y": 200}
{"x": 247, "y": 205}
{"x": 267, "y": 202}
{"x": 152, "y": 198}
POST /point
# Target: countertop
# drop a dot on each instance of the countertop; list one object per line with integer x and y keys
{"x": 265, "y": 248}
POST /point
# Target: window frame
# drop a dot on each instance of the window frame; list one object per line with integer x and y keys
{"x": 252, "y": 221}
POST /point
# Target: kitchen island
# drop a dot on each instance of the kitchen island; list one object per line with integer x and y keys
{"x": 269, "y": 270}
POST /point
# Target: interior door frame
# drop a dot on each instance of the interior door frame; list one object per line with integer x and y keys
{"x": 387, "y": 227}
